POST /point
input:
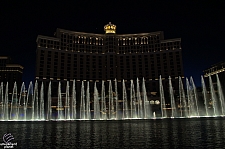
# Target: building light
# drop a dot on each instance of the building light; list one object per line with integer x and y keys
{"x": 157, "y": 102}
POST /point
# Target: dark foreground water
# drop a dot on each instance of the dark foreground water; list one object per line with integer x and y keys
{"x": 165, "y": 133}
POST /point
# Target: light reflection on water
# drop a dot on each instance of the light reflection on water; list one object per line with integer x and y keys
{"x": 165, "y": 133}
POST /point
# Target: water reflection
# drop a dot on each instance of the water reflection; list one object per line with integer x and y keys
{"x": 173, "y": 133}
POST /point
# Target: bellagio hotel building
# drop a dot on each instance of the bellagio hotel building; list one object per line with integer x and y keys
{"x": 94, "y": 57}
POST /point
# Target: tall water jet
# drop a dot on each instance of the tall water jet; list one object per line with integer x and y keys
{"x": 6, "y": 105}
{"x": 139, "y": 101}
{"x": 42, "y": 116}
{"x": 49, "y": 111}
{"x": 173, "y": 104}
{"x": 111, "y": 103}
{"x": 221, "y": 96}
{"x": 146, "y": 105}
{"x": 88, "y": 110}
{"x": 67, "y": 104}
{"x": 28, "y": 104}
{"x": 59, "y": 106}
{"x": 14, "y": 103}
{"x": 162, "y": 98}
{"x": 190, "y": 98}
{"x": 183, "y": 103}
{"x": 73, "y": 102}
{"x": 2, "y": 102}
{"x": 116, "y": 96}
{"x": 213, "y": 96}
{"x": 132, "y": 101}
{"x": 204, "y": 92}
{"x": 96, "y": 103}
{"x": 103, "y": 103}
{"x": 35, "y": 102}
{"x": 21, "y": 103}
{"x": 195, "y": 96}
{"x": 125, "y": 107}
{"x": 82, "y": 102}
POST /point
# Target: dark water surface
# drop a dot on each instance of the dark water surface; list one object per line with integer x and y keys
{"x": 165, "y": 133}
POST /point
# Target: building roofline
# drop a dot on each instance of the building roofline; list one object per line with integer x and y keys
{"x": 14, "y": 65}
{"x": 74, "y": 32}
{"x": 4, "y": 57}
{"x": 136, "y": 34}
{"x": 170, "y": 40}
{"x": 47, "y": 37}
{"x": 216, "y": 65}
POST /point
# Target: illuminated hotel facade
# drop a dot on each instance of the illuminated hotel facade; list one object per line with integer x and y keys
{"x": 10, "y": 72}
{"x": 95, "y": 57}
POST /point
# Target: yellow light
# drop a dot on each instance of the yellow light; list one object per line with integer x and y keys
{"x": 110, "y": 28}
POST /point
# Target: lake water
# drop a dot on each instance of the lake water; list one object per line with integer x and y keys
{"x": 159, "y": 133}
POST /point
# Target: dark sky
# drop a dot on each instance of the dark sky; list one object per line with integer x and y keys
{"x": 200, "y": 25}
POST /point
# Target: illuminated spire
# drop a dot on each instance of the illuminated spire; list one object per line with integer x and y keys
{"x": 110, "y": 28}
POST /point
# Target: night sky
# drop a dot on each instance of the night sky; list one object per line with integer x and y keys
{"x": 200, "y": 25}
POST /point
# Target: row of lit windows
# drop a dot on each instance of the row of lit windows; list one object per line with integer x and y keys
{"x": 91, "y": 41}
{"x": 81, "y": 38}
{"x": 99, "y": 70}
{"x": 100, "y": 41}
{"x": 121, "y": 51}
{"x": 109, "y": 75}
{"x": 47, "y": 43}
{"x": 122, "y": 63}
{"x": 129, "y": 59}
